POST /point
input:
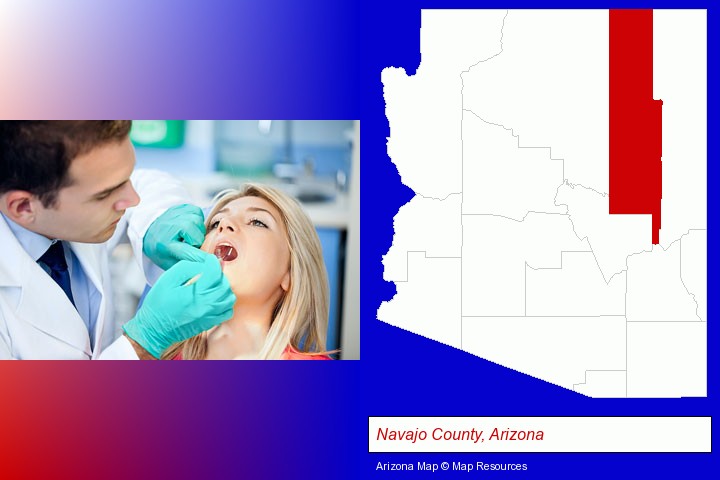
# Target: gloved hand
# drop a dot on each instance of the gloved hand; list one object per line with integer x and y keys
{"x": 173, "y": 312}
{"x": 174, "y": 236}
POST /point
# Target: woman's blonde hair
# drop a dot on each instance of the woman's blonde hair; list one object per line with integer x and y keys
{"x": 300, "y": 317}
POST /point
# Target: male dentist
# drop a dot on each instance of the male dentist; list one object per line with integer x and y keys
{"x": 68, "y": 196}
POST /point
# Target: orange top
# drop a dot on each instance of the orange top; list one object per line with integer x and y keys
{"x": 289, "y": 354}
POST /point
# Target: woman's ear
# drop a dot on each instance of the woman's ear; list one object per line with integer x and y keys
{"x": 18, "y": 205}
{"x": 285, "y": 284}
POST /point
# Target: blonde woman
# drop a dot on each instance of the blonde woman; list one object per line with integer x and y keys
{"x": 271, "y": 255}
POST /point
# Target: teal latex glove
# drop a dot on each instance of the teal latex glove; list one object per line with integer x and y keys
{"x": 173, "y": 312}
{"x": 175, "y": 235}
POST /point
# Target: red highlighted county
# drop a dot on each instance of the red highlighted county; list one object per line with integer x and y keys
{"x": 635, "y": 119}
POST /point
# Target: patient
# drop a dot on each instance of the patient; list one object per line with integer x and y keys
{"x": 271, "y": 255}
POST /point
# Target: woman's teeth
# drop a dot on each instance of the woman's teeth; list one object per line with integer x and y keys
{"x": 226, "y": 253}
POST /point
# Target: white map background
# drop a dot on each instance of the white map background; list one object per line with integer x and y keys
{"x": 507, "y": 251}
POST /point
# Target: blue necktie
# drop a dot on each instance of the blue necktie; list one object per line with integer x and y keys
{"x": 54, "y": 258}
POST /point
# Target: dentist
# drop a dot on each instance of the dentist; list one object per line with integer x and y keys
{"x": 68, "y": 196}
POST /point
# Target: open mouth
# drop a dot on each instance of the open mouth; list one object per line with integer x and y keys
{"x": 225, "y": 252}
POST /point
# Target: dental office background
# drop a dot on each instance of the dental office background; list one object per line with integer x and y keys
{"x": 316, "y": 161}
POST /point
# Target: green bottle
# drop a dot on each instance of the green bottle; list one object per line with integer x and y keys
{"x": 158, "y": 133}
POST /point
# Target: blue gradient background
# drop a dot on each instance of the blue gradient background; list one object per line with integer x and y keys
{"x": 271, "y": 420}
{"x": 179, "y": 59}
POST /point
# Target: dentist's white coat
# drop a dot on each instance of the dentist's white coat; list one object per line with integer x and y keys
{"x": 37, "y": 320}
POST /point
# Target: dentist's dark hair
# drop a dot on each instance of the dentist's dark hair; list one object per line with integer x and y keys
{"x": 35, "y": 155}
